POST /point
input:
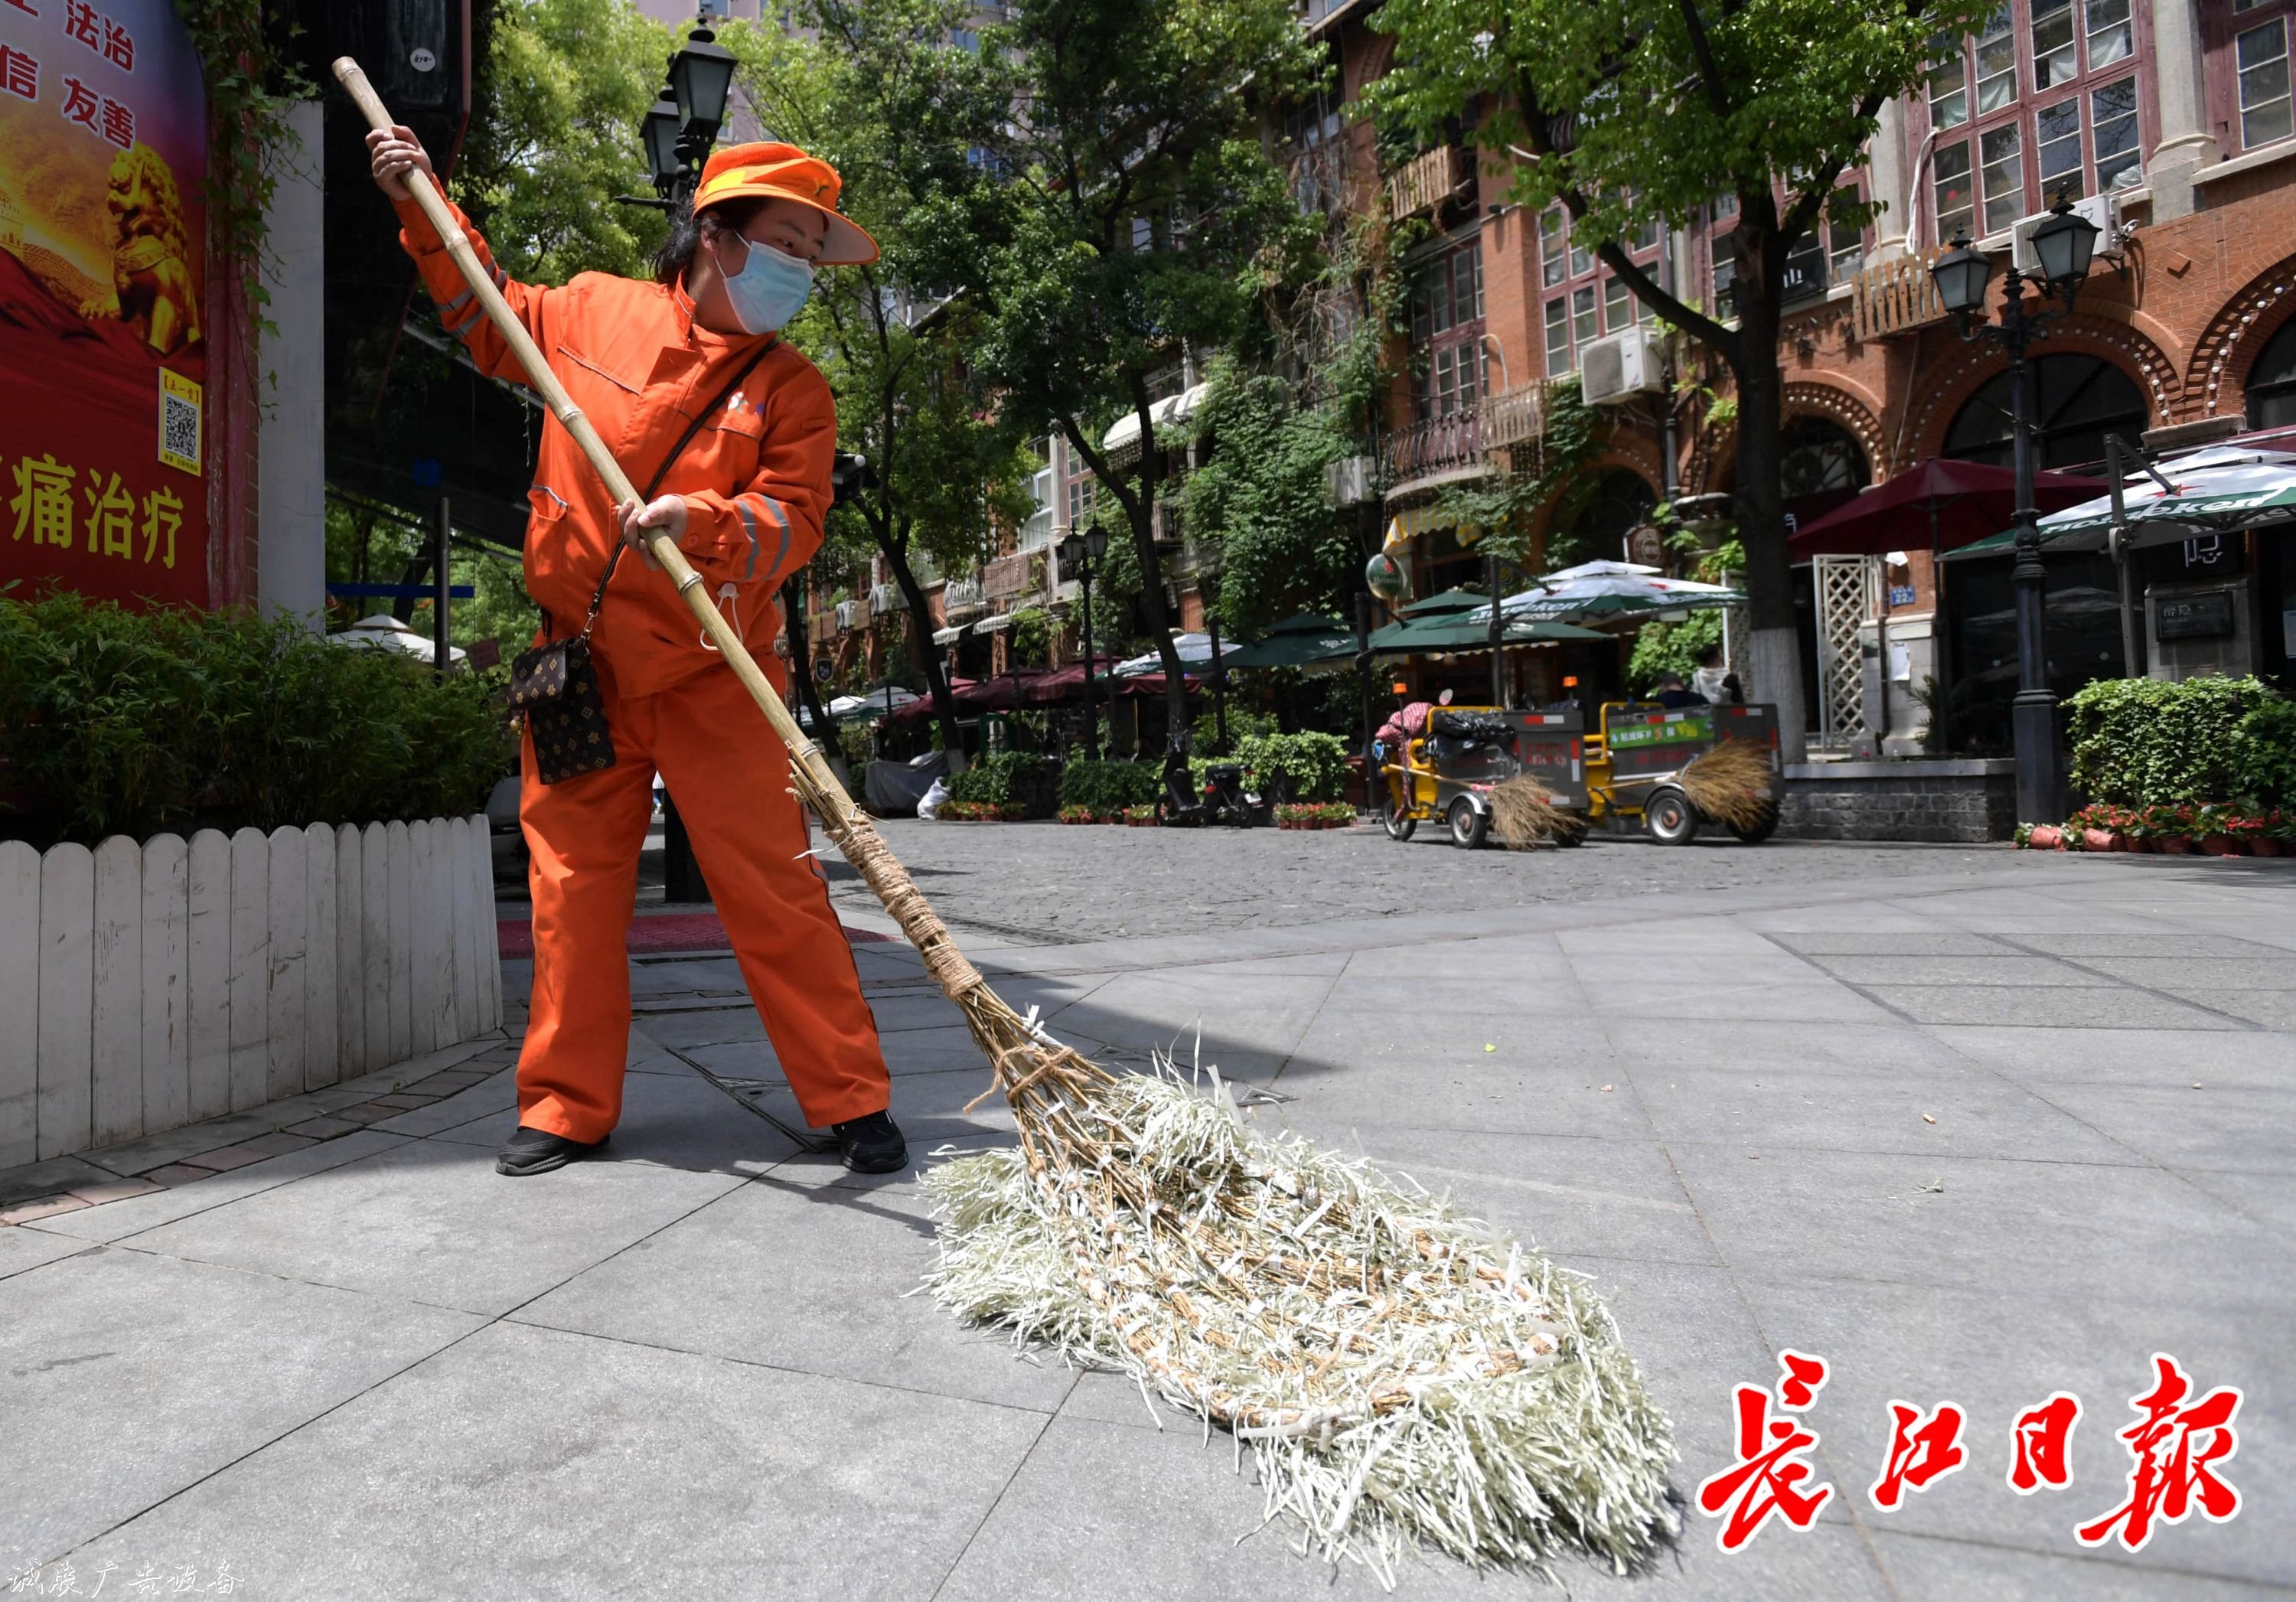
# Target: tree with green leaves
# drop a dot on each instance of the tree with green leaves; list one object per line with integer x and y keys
{"x": 1631, "y": 112}
{"x": 1141, "y": 220}
{"x": 568, "y": 83}
{"x": 887, "y": 94}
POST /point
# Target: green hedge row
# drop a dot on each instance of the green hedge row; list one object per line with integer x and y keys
{"x": 1109, "y": 787}
{"x": 114, "y": 722}
{"x": 1010, "y": 778}
{"x": 2142, "y": 742}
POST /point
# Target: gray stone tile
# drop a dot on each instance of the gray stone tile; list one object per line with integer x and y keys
{"x": 1855, "y": 1216}
{"x": 131, "y": 1376}
{"x": 1858, "y": 1051}
{"x": 706, "y": 1027}
{"x": 432, "y": 1221}
{"x": 527, "y": 1463}
{"x": 2169, "y": 944}
{"x": 2273, "y": 1009}
{"x": 1962, "y": 1111}
{"x": 2268, "y": 1198}
{"x": 2004, "y": 969}
{"x": 2041, "y": 1006}
{"x": 1925, "y": 1569}
{"x": 2226, "y": 1127}
{"x": 2111, "y": 1058}
{"x": 31, "y": 1180}
{"x": 1917, "y": 939}
{"x": 671, "y": 1121}
{"x": 28, "y": 1248}
{"x": 490, "y": 1095}
{"x": 1723, "y": 998}
{"x": 1460, "y": 1092}
{"x": 810, "y": 1277}
{"x": 119, "y": 1221}
{"x": 2177, "y": 970}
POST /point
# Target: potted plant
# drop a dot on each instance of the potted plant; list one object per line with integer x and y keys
{"x": 1140, "y": 818}
{"x": 2171, "y": 828}
{"x": 1078, "y": 815}
{"x": 2275, "y": 833}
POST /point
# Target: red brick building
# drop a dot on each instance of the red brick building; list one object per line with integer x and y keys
{"x": 2169, "y": 119}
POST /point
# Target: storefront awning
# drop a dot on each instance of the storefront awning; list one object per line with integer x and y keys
{"x": 990, "y": 625}
{"x": 947, "y": 636}
{"x": 1124, "y": 434}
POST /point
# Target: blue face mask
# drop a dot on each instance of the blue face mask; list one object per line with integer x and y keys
{"x": 768, "y": 290}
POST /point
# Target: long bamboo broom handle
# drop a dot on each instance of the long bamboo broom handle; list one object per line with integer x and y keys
{"x": 845, "y": 824}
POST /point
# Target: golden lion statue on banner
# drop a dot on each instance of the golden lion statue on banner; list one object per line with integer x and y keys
{"x": 153, "y": 288}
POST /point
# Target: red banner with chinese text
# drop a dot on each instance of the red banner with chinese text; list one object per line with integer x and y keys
{"x": 104, "y": 358}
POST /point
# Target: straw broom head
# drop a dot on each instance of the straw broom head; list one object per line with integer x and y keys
{"x": 1522, "y": 819}
{"x": 1730, "y": 784}
{"x": 1403, "y": 1373}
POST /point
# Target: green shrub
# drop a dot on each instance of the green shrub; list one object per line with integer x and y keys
{"x": 1109, "y": 787}
{"x": 114, "y": 722}
{"x": 1301, "y": 768}
{"x": 1018, "y": 779}
{"x": 2142, "y": 742}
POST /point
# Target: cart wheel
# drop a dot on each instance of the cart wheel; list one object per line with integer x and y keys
{"x": 1670, "y": 818}
{"x": 1399, "y": 826}
{"x": 1469, "y": 825}
{"x": 1763, "y": 828}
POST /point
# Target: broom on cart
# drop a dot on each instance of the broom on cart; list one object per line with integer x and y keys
{"x": 1403, "y": 1375}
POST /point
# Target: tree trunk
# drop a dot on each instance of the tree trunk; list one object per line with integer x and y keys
{"x": 1759, "y": 502}
{"x": 824, "y": 732}
{"x": 1159, "y": 617}
{"x": 928, "y": 661}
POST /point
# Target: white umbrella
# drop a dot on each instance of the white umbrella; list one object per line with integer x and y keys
{"x": 1622, "y": 587}
{"x": 874, "y": 705}
{"x": 383, "y": 632}
{"x": 1195, "y": 652}
{"x": 2211, "y": 491}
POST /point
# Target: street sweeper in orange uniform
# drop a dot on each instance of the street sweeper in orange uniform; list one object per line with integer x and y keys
{"x": 690, "y": 385}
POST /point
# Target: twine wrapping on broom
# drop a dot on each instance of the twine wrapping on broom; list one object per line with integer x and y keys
{"x": 1402, "y": 1374}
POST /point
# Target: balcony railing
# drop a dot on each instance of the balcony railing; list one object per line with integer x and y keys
{"x": 1434, "y": 446}
{"x": 1426, "y": 181}
{"x": 1006, "y": 581}
{"x": 1894, "y": 297}
{"x": 961, "y": 598}
{"x": 1518, "y": 416}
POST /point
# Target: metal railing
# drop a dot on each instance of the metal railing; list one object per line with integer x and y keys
{"x": 1896, "y": 296}
{"x": 1006, "y": 581}
{"x": 1433, "y": 446}
{"x": 1427, "y": 180}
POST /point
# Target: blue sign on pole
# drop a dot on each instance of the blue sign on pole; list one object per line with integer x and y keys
{"x": 429, "y": 475}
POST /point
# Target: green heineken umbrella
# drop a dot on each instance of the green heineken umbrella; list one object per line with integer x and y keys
{"x": 2216, "y": 491}
{"x": 1420, "y": 636}
{"x": 1301, "y": 638}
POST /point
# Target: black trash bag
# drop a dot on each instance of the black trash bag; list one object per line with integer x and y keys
{"x": 1474, "y": 729}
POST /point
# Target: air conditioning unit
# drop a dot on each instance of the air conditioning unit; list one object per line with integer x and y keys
{"x": 1633, "y": 362}
{"x": 2101, "y": 211}
{"x": 886, "y": 597}
{"x": 845, "y": 613}
{"x": 1347, "y": 481}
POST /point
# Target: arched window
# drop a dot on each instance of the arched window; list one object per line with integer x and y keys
{"x": 2077, "y": 400}
{"x": 1820, "y": 456}
{"x": 2272, "y": 381}
{"x": 1610, "y": 505}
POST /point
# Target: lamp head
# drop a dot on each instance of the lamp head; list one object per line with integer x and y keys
{"x": 1095, "y": 541}
{"x": 661, "y": 126}
{"x": 1961, "y": 274}
{"x": 701, "y": 77}
{"x": 2064, "y": 245}
{"x": 1071, "y": 553}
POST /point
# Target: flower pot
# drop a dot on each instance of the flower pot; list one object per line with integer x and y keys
{"x": 2131, "y": 842}
{"x": 2265, "y": 846}
{"x": 2172, "y": 845}
{"x": 2100, "y": 840}
{"x": 2046, "y": 837}
{"x": 2220, "y": 845}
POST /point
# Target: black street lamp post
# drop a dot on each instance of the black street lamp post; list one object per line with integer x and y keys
{"x": 2062, "y": 245}
{"x": 683, "y": 123}
{"x": 1077, "y": 554}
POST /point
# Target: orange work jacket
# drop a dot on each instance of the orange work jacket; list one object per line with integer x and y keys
{"x": 754, "y": 479}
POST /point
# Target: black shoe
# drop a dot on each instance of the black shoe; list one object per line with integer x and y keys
{"x": 538, "y": 1151}
{"x": 872, "y": 1144}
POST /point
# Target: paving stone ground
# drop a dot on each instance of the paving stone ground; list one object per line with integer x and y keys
{"x": 1974, "y": 1126}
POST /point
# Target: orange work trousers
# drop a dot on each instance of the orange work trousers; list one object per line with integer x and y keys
{"x": 730, "y": 775}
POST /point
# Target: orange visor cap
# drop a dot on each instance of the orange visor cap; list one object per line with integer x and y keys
{"x": 772, "y": 170}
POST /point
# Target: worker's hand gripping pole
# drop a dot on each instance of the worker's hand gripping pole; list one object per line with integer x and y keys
{"x": 815, "y": 783}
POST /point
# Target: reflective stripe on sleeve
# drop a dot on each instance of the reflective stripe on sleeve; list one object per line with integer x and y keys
{"x": 750, "y": 528}
{"x": 781, "y": 517}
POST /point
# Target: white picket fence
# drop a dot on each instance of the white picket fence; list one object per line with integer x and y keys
{"x": 145, "y": 987}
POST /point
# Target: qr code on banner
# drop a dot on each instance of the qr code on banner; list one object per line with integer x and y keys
{"x": 179, "y": 420}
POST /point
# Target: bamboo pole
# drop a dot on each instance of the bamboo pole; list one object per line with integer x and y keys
{"x": 845, "y": 823}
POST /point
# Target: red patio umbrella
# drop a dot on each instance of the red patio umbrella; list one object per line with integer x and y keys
{"x": 1943, "y": 505}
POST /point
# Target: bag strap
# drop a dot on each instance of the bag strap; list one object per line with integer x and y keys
{"x": 693, "y": 427}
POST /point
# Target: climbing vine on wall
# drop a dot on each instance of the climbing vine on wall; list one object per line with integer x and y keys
{"x": 252, "y": 87}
